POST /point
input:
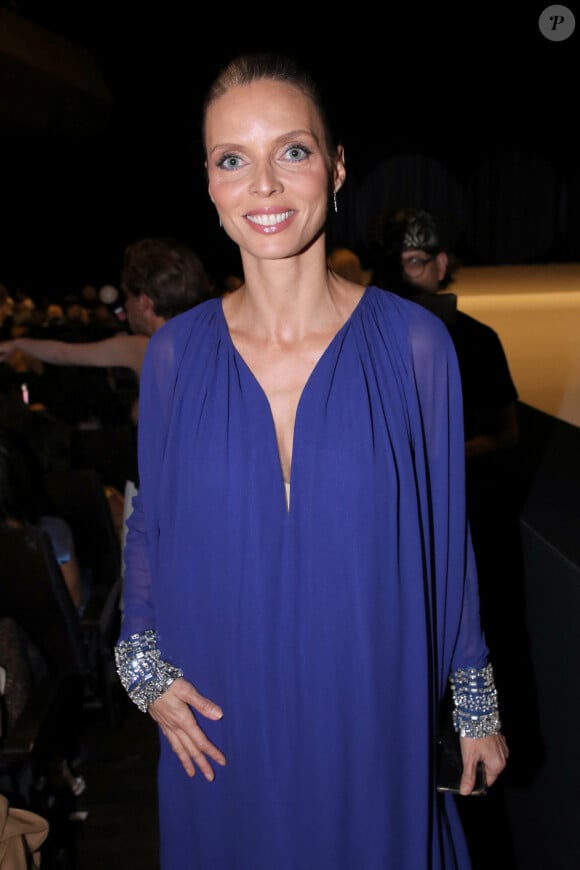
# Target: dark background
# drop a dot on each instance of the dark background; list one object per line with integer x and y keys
{"x": 469, "y": 113}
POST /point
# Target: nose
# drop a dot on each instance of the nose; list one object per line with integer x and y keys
{"x": 266, "y": 181}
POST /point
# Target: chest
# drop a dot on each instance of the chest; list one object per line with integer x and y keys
{"x": 283, "y": 372}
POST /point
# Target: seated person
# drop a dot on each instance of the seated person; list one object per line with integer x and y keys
{"x": 20, "y": 506}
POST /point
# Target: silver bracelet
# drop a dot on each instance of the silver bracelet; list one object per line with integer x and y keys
{"x": 476, "y": 712}
{"x": 142, "y": 672}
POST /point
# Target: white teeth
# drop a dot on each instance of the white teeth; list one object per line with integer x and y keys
{"x": 269, "y": 220}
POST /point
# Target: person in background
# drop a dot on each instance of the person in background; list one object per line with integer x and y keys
{"x": 347, "y": 263}
{"x": 160, "y": 278}
{"x": 232, "y": 282}
{"x": 6, "y": 310}
{"x": 53, "y": 317}
{"x": 23, "y": 504}
{"x": 24, "y": 308}
{"x": 300, "y": 585}
{"x": 20, "y": 505}
{"x": 89, "y": 299}
{"x": 410, "y": 257}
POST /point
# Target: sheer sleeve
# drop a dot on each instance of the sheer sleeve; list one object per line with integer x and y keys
{"x": 138, "y": 610}
{"x": 156, "y": 388}
{"x": 141, "y": 670}
{"x": 460, "y": 643}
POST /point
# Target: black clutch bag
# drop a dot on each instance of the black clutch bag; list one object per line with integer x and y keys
{"x": 448, "y": 754}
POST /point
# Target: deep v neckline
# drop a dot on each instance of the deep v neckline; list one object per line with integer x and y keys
{"x": 317, "y": 366}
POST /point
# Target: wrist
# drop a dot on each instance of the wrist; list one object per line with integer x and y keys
{"x": 143, "y": 673}
{"x": 476, "y": 712}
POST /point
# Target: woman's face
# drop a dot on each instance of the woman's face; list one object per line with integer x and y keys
{"x": 268, "y": 168}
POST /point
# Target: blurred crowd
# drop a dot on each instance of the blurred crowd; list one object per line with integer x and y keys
{"x": 79, "y": 395}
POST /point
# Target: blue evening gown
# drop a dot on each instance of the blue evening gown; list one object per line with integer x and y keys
{"x": 326, "y": 632}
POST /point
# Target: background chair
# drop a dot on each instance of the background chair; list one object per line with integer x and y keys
{"x": 78, "y": 495}
{"x": 110, "y": 450}
{"x": 43, "y": 652}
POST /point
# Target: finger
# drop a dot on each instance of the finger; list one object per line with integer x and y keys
{"x": 203, "y": 705}
{"x": 187, "y": 753}
{"x": 180, "y": 751}
{"x": 186, "y": 691}
{"x": 493, "y": 770}
{"x": 190, "y": 743}
{"x": 200, "y": 759}
{"x": 467, "y": 783}
{"x": 182, "y": 721}
{"x": 196, "y": 752}
{"x": 205, "y": 746}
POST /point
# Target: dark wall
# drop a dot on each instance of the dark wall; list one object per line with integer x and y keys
{"x": 69, "y": 208}
{"x": 469, "y": 116}
{"x": 544, "y": 814}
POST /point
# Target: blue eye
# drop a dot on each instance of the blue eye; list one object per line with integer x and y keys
{"x": 229, "y": 162}
{"x": 296, "y": 153}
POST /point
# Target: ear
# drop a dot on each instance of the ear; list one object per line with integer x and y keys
{"x": 442, "y": 261}
{"x": 145, "y": 304}
{"x": 339, "y": 169}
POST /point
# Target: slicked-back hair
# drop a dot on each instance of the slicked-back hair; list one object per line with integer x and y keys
{"x": 271, "y": 66}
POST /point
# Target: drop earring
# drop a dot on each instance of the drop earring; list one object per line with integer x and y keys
{"x": 220, "y": 220}
{"x": 335, "y": 202}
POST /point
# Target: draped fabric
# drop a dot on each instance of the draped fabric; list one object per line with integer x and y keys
{"x": 22, "y": 834}
{"x": 325, "y": 631}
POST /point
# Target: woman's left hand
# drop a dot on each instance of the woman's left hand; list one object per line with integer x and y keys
{"x": 491, "y": 750}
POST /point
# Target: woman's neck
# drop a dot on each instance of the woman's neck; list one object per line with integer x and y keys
{"x": 285, "y": 301}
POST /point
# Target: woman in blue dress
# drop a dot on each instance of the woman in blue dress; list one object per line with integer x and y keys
{"x": 300, "y": 583}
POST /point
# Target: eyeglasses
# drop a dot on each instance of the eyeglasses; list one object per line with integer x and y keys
{"x": 415, "y": 266}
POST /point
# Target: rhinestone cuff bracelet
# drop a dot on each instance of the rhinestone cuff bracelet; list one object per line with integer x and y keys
{"x": 476, "y": 712}
{"x": 143, "y": 673}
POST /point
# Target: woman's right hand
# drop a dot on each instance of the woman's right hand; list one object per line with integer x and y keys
{"x": 172, "y": 712}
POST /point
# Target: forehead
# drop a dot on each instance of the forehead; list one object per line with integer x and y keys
{"x": 261, "y": 108}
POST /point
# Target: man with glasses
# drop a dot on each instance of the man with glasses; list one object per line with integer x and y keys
{"x": 408, "y": 257}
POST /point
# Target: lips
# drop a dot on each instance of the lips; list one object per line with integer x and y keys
{"x": 269, "y": 223}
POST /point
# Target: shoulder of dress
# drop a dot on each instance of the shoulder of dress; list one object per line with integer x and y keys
{"x": 197, "y": 317}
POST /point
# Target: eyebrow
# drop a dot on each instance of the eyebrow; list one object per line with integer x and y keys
{"x": 285, "y": 137}
{"x": 294, "y": 134}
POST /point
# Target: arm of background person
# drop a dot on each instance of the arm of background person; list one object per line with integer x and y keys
{"x": 120, "y": 350}
{"x": 63, "y": 544}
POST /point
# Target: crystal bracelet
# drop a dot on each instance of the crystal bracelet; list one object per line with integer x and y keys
{"x": 142, "y": 672}
{"x": 476, "y": 712}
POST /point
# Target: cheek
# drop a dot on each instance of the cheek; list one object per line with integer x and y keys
{"x": 308, "y": 187}
{"x": 226, "y": 193}
{"x": 131, "y": 310}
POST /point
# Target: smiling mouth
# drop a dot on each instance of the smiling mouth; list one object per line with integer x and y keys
{"x": 269, "y": 220}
